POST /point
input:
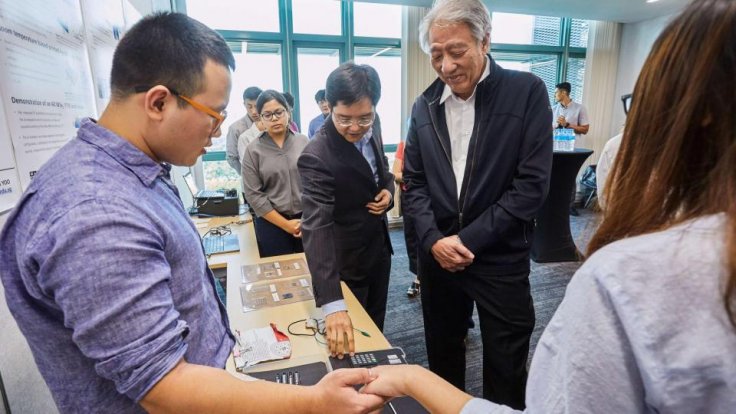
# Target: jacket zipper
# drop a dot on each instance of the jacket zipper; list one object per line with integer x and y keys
{"x": 476, "y": 127}
{"x": 437, "y": 132}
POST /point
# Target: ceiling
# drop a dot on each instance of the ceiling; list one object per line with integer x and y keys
{"x": 624, "y": 11}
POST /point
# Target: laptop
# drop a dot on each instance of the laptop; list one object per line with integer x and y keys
{"x": 220, "y": 244}
{"x": 197, "y": 193}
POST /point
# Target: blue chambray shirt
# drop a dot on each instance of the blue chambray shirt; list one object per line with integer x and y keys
{"x": 105, "y": 275}
{"x": 364, "y": 147}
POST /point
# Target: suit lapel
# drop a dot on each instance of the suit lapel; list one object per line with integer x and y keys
{"x": 347, "y": 153}
{"x": 378, "y": 155}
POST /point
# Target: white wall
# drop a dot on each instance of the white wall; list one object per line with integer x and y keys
{"x": 636, "y": 42}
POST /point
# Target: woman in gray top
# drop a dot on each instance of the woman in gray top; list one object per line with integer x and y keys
{"x": 271, "y": 180}
{"x": 648, "y": 323}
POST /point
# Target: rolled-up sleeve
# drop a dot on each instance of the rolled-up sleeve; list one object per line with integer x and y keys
{"x": 106, "y": 269}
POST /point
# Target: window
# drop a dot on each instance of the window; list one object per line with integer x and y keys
{"x": 579, "y": 33}
{"x": 219, "y": 175}
{"x": 261, "y": 16}
{"x": 523, "y": 29}
{"x": 317, "y": 17}
{"x": 387, "y": 62}
{"x": 542, "y": 65}
{"x": 314, "y": 67}
{"x": 377, "y": 20}
{"x": 535, "y": 44}
{"x": 256, "y": 64}
{"x": 576, "y": 77}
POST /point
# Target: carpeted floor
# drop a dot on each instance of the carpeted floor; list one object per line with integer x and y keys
{"x": 404, "y": 326}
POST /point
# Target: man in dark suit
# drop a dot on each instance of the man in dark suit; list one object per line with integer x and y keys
{"x": 346, "y": 190}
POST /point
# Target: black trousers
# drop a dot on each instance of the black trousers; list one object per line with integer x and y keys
{"x": 506, "y": 314}
{"x": 272, "y": 241}
{"x": 372, "y": 290}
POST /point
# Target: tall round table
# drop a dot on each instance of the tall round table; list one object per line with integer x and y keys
{"x": 552, "y": 238}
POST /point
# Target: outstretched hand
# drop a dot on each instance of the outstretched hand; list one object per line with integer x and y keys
{"x": 335, "y": 393}
{"x": 339, "y": 334}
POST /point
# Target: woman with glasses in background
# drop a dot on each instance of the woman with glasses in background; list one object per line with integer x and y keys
{"x": 271, "y": 179}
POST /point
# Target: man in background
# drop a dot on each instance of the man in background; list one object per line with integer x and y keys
{"x": 102, "y": 267}
{"x": 241, "y": 125}
{"x": 569, "y": 114}
{"x": 476, "y": 168}
{"x": 316, "y": 123}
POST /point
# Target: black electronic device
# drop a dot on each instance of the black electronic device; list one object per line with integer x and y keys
{"x": 392, "y": 356}
{"x": 308, "y": 374}
{"x": 212, "y": 202}
{"x": 218, "y": 206}
{"x": 312, "y": 373}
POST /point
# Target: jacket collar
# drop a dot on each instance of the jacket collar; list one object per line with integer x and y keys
{"x": 433, "y": 94}
{"x": 447, "y": 92}
{"x": 348, "y": 153}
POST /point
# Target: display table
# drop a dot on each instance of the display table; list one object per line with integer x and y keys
{"x": 552, "y": 238}
{"x": 303, "y": 347}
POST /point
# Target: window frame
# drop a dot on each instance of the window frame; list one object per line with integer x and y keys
{"x": 290, "y": 42}
{"x": 347, "y": 42}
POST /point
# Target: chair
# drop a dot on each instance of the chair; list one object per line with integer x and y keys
{"x": 588, "y": 182}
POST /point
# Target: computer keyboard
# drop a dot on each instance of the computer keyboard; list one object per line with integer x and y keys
{"x": 213, "y": 244}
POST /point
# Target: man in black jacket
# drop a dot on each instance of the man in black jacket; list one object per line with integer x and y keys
{"x": 477, "y": 164}
{"x": 346, "y": 191}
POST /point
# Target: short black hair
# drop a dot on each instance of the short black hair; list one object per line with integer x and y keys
{"x": 564, "y": 86}
{"x": 271, "y": 95}
{"x": 251, "y": 93}
{"x": 289, "y": 99}
{"x": 319, "y": 96}
{"x": 169, "y": 49}
{"x": 350, "y": 83}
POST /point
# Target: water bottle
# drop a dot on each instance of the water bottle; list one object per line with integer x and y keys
{"x": 570, "y": 140}
{"x": 556, "y": 139}
{"x": 567, "y": 140}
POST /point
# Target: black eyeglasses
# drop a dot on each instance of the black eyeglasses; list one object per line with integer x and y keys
{"x": 626, "y": 100}
{"x": 272, "y": 116}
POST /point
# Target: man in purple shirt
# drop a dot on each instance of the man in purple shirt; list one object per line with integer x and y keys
{"x": 103, "y": 270}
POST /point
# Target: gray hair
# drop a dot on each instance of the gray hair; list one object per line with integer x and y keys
{"x": 471, "y": 12}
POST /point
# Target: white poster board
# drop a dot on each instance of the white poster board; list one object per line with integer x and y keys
{"x": 44, "y": 77}
{"x": 9, "y": 183}
{"x": 104, "y": 24}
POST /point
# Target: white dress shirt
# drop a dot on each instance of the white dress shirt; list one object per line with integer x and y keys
{"x": 460, "y": 118}
{"x": 605, "y": 163}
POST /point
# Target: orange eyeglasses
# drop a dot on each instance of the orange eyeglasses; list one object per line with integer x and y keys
{"x": 219, "y": 117}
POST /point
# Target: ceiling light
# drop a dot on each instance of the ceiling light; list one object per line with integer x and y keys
{"x": 652, "y": 1}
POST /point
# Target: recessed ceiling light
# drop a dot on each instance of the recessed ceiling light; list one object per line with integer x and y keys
{"x": 652, "y": 1}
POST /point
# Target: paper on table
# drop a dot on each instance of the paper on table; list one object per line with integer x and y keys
{"x": 259, "y": 345}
